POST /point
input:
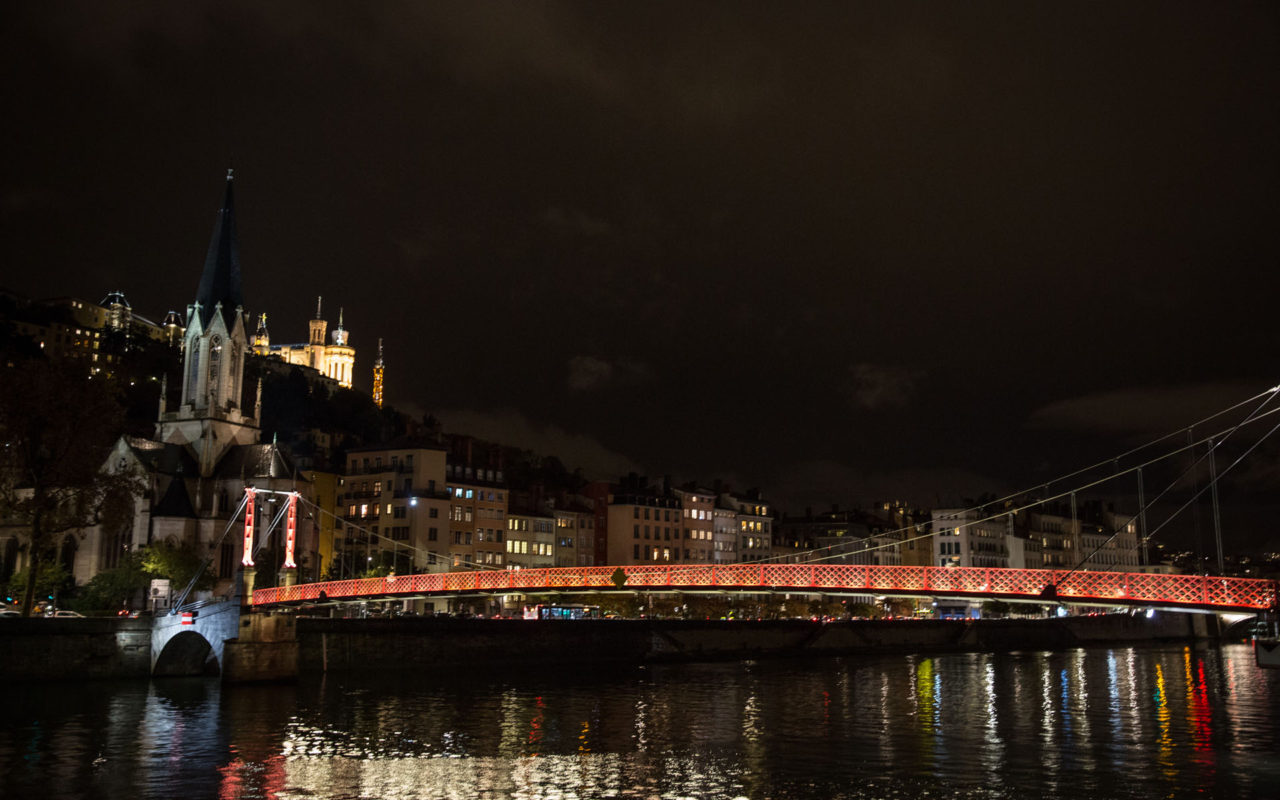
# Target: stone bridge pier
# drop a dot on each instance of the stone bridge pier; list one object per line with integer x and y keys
{"x": 192, "y": 643}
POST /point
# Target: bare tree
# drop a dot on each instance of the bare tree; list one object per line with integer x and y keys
{"x": 57, "y": 425}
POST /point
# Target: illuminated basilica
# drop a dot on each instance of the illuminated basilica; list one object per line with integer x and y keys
{"x": 334, "y": 360}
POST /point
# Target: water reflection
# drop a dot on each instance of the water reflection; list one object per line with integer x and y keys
{"x": 1080, "y": 723}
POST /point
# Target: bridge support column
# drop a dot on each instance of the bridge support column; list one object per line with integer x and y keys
{"x": 289, "y": 576}
{"x": 250, "y": 578}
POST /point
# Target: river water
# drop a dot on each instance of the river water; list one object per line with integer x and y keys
{"x": 1148, "y": 722}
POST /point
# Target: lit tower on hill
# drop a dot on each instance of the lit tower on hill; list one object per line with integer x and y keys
{"x": 340, "y": 356}
{"x": 377, "y": 377}
{"x": 261, "y": 338}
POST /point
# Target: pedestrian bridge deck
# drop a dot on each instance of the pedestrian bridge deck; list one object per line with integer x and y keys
{"x": 1210, "y": 593}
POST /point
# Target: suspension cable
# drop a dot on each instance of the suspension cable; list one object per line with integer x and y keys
{"x": 1213, "y": 482}
{"x": 811, "y": 555}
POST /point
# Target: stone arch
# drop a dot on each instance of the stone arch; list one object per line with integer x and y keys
{"x": 187, "y": 653}
{"x": 1239, "y": 629}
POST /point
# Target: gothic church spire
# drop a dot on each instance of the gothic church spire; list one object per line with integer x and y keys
{"x": 220, "y": 281}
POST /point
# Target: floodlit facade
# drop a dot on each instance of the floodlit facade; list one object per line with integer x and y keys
{"x": 334, "y": 359}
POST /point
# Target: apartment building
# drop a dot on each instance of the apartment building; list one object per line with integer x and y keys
{"x": 644, "y": 526}
{"x": 697, "y": 516}
{"x": 575, "y": 531}
{"x": 1092, "y": 538}
{"x": 395, "y": 511}
{"x": 753, "y": 527}
{"x": 530, "y": 540}
{"x": 478, "y": 499}
{"x": 972, "y": 538}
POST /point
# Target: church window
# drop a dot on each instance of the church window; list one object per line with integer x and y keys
{"x": 234, "y": 374}
{"x": 215, "y": 365}
{"x": 193, "y": 375}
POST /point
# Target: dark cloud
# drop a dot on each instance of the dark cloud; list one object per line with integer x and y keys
{"x": 1147, "y": 411}
{"x": 817, "y": 484}
{"x": 513, "y": 428}
{"x": 875, "y": 386}
{"x": 575, "y": 222}
{"x": 588, "y": 373}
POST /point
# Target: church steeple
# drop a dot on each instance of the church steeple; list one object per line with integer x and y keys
{"x": 340, "y": 333}
{"x": 318, "y": 326}
{"x": 220, "y": 281}
{"x": 210, "y": 418}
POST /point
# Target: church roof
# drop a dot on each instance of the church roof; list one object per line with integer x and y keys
{"x": 256, "y": 461}
{"x": 220, "y": 282}
{"x": 163, "y": 458}
{"x": 175, "y": 502}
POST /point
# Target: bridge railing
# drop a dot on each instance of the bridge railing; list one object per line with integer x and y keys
{"x": 1081, "y": 586}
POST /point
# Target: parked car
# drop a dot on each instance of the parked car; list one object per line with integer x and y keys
{"x": 63, "y": 614}
{"x": 8, "y": 613}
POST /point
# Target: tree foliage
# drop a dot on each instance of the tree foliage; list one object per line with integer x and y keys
{"x": 177, "y": 562}
{"x": 996, "y": 608}
{"x": 51, "y": 578}
{"x": 113, "y": 589}
{"x": 57, "y": 424}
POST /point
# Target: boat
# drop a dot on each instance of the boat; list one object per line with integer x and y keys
{"x": 1267, "y": 652}
{"x": 1266, "y": 644}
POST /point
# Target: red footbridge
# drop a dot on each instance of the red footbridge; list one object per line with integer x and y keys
{"x": 1188, "y": 592}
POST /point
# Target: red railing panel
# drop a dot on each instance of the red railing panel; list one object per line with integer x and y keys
{"x": 1084, "y": 586}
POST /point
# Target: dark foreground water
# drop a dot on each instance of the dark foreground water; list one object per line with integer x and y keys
{"x": 1097, "y": 723}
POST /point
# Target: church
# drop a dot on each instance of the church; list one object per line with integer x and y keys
{"x": 207, "y": 449}
{"x": 335, "y": 360}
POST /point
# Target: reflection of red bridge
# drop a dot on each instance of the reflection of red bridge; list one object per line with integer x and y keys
{"x": 1088, "y": 587}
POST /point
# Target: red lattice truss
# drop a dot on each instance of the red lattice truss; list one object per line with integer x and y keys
{"x": 1197, "y": 591}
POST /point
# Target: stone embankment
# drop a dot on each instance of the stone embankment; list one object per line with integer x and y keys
{"x": 337, "y": 645}
{"x": 281, "y": 646}
{"x": 74, "y": 648}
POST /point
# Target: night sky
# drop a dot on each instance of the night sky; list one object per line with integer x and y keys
{"x": 840, "y": 252}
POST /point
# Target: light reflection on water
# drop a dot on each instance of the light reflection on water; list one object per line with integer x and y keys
{"x": 1127, "y": 723}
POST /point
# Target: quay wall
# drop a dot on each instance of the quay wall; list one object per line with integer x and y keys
{"x": 338, "y": 645}
{"x": 279, "y": 646}
{"x": 39, "y": 649}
